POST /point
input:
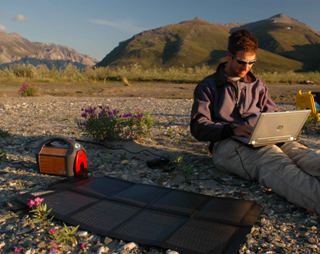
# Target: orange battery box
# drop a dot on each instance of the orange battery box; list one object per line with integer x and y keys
{"x": 61, "y": 156}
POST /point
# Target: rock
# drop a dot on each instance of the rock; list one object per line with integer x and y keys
{"x": 82, "y": 233}
{"x": 103, "y": 250}
{"x": 2, "y": 244}
{"x": 15, "y": 206}
{"x": 171, "y": 252}
{"x": 107, "y": 240}
{"x": 42, "y": 245}
{"x": 251, "y": 241}
{"x": 94, "y": 238}
{"x": 280, "y": 245}
{"x": 23, "y": 223}
{"x": 32, "y": 251}
{"x": 314, "y": 217}
{"x": 129, "y": 246}
{"x": 9, "y": 227}
{"x": 283, "y": 228}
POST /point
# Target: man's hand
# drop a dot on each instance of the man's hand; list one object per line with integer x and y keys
{"x": 243, "y": 130}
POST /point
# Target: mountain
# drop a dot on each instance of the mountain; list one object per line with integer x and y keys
{"x": 288, "y": 37}
{"x": 15, "y": 49}
{"x": 284, "y": 44}
{"x": 189, "y": 43}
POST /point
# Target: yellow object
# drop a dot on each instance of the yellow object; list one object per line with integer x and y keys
{"x": 306, "y": 101}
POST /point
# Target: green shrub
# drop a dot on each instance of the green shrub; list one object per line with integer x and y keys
{"x": 3, "y": 156}
{"x": 102, "y": 123}
{"x": 29, "y": 90}
{"x": 138, "y": 125}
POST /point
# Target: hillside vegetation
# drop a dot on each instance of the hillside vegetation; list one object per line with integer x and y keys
{"x": 285, "y": 45}
{"x": 188, "y": 43}
{"x": 136, "y": 73}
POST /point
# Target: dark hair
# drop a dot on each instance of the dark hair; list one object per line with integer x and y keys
{"x": 242, "y": 40}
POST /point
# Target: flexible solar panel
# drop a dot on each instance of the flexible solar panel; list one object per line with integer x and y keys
{"x": 187, "y": 222}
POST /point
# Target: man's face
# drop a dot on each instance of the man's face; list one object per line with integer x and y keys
{"x": 235, "y": 67}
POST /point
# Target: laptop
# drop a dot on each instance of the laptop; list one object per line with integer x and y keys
{"x": 276, "y": 127}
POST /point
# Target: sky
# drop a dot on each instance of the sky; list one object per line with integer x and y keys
{"x": 95, "y": 27}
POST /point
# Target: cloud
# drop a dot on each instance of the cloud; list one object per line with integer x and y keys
{"x": 3, "y": 14}
{"x": 123, "y": 25}
{"x": 19, "y": 17}
{"x": 2, "y": 28}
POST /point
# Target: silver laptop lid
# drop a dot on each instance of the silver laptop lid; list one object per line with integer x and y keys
{"x": 275, "y": 127}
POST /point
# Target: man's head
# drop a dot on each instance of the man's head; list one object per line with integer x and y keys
{"x": 242, "y": 51}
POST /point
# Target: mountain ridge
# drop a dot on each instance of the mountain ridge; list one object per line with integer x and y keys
{"x": 15, "y": 49}
{"x": 284, "y": 44}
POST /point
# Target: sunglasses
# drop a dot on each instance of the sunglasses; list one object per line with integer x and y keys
{"x": 242, "y": 62}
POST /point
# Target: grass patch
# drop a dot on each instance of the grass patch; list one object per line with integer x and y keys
{"x": 4, "y": 134}
{"x": 3, "y": 156}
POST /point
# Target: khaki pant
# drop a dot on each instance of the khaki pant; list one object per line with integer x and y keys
{"x": 290, "y": 170}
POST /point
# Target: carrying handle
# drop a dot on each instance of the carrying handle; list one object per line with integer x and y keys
{"x": 64, "y": 140}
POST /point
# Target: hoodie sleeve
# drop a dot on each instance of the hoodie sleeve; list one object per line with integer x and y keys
{"x": 202, "y": 126}
{"x": 266, "y": 103}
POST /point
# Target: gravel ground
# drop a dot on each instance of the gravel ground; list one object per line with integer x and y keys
{"x": 281, "y": 228}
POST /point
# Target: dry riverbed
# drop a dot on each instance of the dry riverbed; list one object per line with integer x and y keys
{"x": 281, "y": 228}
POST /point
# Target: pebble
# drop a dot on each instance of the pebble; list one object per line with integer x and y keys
{"x": 94, "y": 238}
{"x": 9, "y": 227}
{"x": 281, "y": 228}
{"x": 251, "y": 241}
{"x": 82, "y": 233}
{"x": 129, "y": 246}
{"x": 103, "y": 250}
{"x": 107, "y": 240}
{"x": 171, "y": 252}
{"x": 30, "y": 252}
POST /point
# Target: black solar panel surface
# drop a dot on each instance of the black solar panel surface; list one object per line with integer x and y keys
{"x": 153, "y": 215}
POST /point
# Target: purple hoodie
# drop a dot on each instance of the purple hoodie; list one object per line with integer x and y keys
{"x": 219, "y": 102}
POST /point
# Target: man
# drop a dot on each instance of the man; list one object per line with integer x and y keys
{"x": 229, "y": 102}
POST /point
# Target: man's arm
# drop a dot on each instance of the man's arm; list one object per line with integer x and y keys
{"x": 202, "y": 126}
{"x": 265, "y": 102}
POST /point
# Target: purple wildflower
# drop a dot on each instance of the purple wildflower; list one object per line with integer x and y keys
{"x": 38, "y": 201}
{"x": 55, "y": 248}
{"x": 17, "y": 250}
{"x": 31, "y": 203}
